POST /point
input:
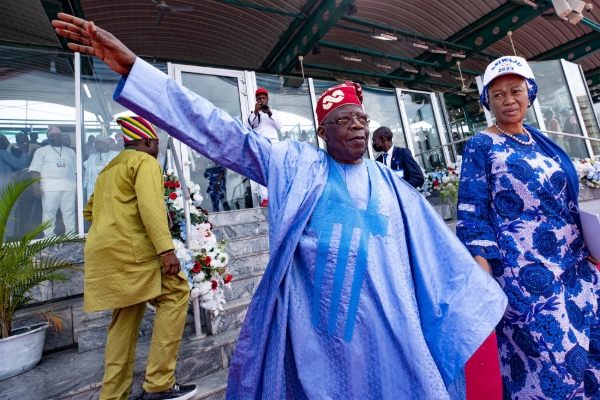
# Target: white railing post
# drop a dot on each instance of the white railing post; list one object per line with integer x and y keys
{"x": 188, "y": 230}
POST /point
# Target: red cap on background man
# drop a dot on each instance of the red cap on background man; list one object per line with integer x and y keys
{"x": 261, "y": 91}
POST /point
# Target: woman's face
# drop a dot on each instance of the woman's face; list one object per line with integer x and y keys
{"x": 509, "y": 98}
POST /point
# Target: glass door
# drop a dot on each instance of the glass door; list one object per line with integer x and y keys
{"x": 421, "y": 123}
{"x": 222, "y": 189}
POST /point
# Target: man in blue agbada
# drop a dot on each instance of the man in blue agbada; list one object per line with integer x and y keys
{"x": 367, "y": 294}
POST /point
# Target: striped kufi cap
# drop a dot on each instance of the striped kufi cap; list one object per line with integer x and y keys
{"x": 136, "y": 128}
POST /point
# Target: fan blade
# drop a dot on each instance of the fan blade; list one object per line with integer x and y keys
{"x": 159, "y": 18}
{"x": 154, "y": 1}
{"x": 182, "y": 9}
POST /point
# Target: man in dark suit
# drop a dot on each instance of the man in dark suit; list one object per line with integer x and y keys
{"x": 397, "y": 158}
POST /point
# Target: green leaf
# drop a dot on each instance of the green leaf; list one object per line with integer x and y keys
{"x": 24, "y": 264}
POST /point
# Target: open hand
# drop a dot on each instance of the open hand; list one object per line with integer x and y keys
{"x": 96, "y": 42}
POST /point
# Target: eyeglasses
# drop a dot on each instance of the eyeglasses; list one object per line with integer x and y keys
{"x": 346, "y": 120}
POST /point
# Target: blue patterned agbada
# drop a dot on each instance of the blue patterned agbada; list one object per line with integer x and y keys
{"x": 513, "y": 211}
{"x": 367, "y": 294}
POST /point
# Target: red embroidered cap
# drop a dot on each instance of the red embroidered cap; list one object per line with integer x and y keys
{"x": 261, "y": 91}
{"x": 336, "y": 96}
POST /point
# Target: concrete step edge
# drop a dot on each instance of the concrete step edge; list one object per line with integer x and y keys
{"x": 210, "y": 384}
{"x": 220, "y": 340}
{"x": 243, "y": 301}
{"x": 258, "y": 253}
{"x": 102, "y": 322}
{"x": 247, "y": 238}
{"x": 240, "y": 223}
{"x": 249, "y": 275}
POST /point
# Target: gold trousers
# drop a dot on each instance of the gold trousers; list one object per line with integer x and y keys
{"x": 171, "y": 309}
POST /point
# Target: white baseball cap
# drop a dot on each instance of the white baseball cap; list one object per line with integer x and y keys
{"x": 507, "y": 65}
{"x": 504, "y": 66}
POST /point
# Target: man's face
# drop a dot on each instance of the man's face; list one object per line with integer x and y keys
{"x": 345, "y": 143}
{"x": 65, "y": 140}
{"x": 54, "y": 138}
{"x": 378, "y": 142}
{"x": 22, "y": 139}
{"x": 153, "y": 151}
{"x": 262, "y": 99}
{"x": 565, "y": 114}
{"x": 101, "y": 147}
{"x": 34, "y": 137}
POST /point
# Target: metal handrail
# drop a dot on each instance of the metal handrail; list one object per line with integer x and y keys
{"x": 573, "y": 136}
{"x": 188, "y": 228}
{"x": 581, "y": 137}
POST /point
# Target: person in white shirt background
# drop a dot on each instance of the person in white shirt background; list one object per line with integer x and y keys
{"x": 267, "y": 122}
{"x": 55, "y": 165}
{"x": 96, "y": 163}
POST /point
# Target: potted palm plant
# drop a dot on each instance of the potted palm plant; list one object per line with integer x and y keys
{"x": 22, "y": 267}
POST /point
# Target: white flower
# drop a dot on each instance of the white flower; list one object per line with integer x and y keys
{"x": 199, "y": 277}
{"x": 195, "y": 293}
{"x": 177, "y": 203}
{"x": 204, "y": 287}
{"x": 216, "y": 261}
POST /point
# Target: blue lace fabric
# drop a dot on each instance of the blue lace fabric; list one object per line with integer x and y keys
{"x": 512, "y": 210}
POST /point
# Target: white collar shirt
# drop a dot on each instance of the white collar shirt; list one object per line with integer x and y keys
{"x": 390, "y": 153}
{"x": 57, "y": 168}
{"x": 265, "y": 125}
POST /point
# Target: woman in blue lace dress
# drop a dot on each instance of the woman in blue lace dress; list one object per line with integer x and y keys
{"x": 517, "y": 215}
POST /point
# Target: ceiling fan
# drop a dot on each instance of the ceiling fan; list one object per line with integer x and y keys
{"x": 163, "y": 9}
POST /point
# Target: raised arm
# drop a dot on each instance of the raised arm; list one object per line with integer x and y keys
{"x": 183, "y": 114}
{"x": 194, "y": 121}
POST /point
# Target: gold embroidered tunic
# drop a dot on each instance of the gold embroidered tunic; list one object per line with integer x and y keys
{"x": 129, "y": 231}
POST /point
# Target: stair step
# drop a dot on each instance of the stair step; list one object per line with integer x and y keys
{"x": 71, "y": 375}
{"x": 211, "y": 387}
{"x": 240, "y": 247}
{"x": 244, "y": 285}
{"x": 231, "y": 318}
{"x": 238, "y": 216}
{"x": 92, "y": 334}
{"x": 237, "y": 231}
{"x": 248, "y": 263}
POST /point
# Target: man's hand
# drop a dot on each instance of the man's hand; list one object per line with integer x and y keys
{"x": 217, "y": 186}
{"x": 96, "y": 42}
{"x": 172, "y": 265}
{"x": 256, "y": 108}
{"x": 37, "y": 190}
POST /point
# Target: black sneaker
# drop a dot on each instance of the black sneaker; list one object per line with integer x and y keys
{"x": 177, "y": 392}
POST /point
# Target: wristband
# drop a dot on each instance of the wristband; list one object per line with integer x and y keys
{"x": 166, "y": 253}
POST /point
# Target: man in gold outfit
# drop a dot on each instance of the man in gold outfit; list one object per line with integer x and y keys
{"x": 129, "y": 260}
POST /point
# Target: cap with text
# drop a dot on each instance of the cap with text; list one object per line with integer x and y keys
{"x": 504, "y": 66}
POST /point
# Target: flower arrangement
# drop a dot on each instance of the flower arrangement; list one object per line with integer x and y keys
{"x": 588, "y": 171}
{"x": 444, "y": 180}
{"x": 205, "y": 261}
